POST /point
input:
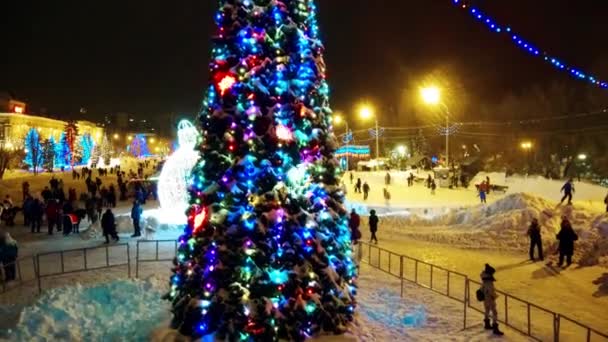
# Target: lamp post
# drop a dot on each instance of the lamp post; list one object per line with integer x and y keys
{"x": 432, "y": 96}
{"x": 527, "y": 146}
{"x": 338, "y": 119}
{"x": 366, "y": 112}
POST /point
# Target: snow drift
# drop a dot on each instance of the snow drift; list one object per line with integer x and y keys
{"x": 504, "y": 224}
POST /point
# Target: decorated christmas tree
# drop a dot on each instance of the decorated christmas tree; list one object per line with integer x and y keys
{"x": 48, "y": 154}
{"x": 266, "y": 253}
{"x": 71, "y": 133}
{"x": 85, "y": 149}
{"x": 33, "y": 150}
{"x": 62, "y": 152}
{"x": 139, "y": 146}
{"x": 105, "y": 150}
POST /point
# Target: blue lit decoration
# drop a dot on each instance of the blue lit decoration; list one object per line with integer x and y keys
{"x": 86, "y": 146}
{"x": 266, "y": 253}
{"x": 62, "y": 152}
{"x": 34, "y": 157}
{"x": 354, "y": 151}
{"x": 139, "y": 146}
{"x": 526, "y": 45}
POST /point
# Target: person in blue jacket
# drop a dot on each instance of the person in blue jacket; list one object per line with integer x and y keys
{"x": 568, "y": 190}
{"x": 136, "y": 212}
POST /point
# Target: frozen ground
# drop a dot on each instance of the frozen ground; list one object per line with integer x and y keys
{"x": 113, "y": 310}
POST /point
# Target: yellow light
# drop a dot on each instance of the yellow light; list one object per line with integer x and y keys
{"x": 338, "y": 119}
{"x": 130, "y": 138}
{"x": 152, "y": 140}
{"x": 526, "y": 145}
{"x": 431, "y": 95}
{"x": 366, "y": 111}
{"x": 582, "y": 156}
{"x": 401, "y": 150}
{"x": 116, "y": 136}
{"x": 157, "y": 149}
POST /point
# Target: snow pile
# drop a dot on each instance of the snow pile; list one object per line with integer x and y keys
{"x": 105, "y": 312}
{"x": 504, "y": 224}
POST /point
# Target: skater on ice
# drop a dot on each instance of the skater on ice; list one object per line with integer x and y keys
{"x": 568, "y": 190}
{"x": 566, "y": 237}
{"x": 387, "y": 179}
{"x": 366, "y": 190}
{"x": 358, "y": 186}
{"x": 488, "y": 296}
{"x": 535, "y": 239}
{"x": 373, "y": 226}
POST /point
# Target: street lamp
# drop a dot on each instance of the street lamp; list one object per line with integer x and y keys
{"x": 366, "y": 112}
{"x": 339, "y": 119}
{"x": 582, "y": 157}
{"x": 432, "y": 96}
{"x": 527, "y": 146}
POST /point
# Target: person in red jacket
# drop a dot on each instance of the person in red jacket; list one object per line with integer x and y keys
{"x": 52, "y": 214}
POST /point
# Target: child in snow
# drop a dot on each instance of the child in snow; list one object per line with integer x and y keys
{"x": 489, "y": 299}
{"x": 482, "y": 195}
{"x": 373, "y": 226}
{"x": 568, "y": 190}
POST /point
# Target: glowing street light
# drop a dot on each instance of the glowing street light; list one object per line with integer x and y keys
{"x": 116, "y": 136}
{"x": 130, "y": 138}
{"x": 401, "y": 150}
{"x": 366, "y": 112}
{"x": 338, "y": 120}
{"x": 526, "y": 145}
{"x": 582, "y": 156}
{"x": 432, "y": 96}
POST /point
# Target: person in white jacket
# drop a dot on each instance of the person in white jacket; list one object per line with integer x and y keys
{"x": 489, "y": 301}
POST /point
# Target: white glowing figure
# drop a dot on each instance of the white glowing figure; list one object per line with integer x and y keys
{"x": 173, "y": 181}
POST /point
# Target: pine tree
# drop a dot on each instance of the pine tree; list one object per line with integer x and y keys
{"x": 62, "y": 152}
{"x": 266, "y": 253}
{"x": 71, "y": 133}
{"x": 106, "y": 150}
{"x": 85, "y": 149}
{"x": 48, "y": 154}
{"x": 421, "y": 145}
{"x": 96, "y": 155}
{"x": 33, "y": 155}
{"x": 139, "y": 146}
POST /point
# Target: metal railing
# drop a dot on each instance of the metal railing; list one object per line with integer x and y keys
{"x": 156, "y": 256}
{"x": 518, "y": 314}
{"x": 22, "y": 274}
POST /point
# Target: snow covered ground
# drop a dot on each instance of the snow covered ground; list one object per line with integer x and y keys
{"x": 132, "y": 309}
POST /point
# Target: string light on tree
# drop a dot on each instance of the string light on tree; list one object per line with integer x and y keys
{"x": 266, "y": 253}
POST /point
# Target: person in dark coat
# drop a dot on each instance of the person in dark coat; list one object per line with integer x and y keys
{"x": 353, "y": 223}
{"x": 8, "y": 256}
{"x": 568, "y": 190}
{"x": 52, "y": 214}
{"x": 606, "y": 202}
{"x": 46, "y": 194}
{"x": 387, "y": 179}
{"x": 136, "y": 212}
{"x": 358, "y": 186}
{"x": 535, "y": 239}
{"x": 27, "y": 210}
{"x": 108, "y": 225}
{"x": 489, "y": 299}
{"x": 37, "y": 213}
{"x": 373, "y": 226}
{"x": 366, "y": 190}
{"x": 566, "y": 237}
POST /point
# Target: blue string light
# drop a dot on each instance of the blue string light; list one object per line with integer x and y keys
{"x": 527, "y": 46}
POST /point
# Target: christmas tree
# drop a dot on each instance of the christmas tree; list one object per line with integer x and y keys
{"x": 62, "y": 152}
{"x": 33, "y": 150}
{"x": 71, "y": 132}
{"x": 105, "y": 150}
{"x": 48, "y": 154}
{"x": 139, "y": 146}
{"x": 266, "y": 252}
{"x": 85, "y": 149}
{"x": 96, "y": 156}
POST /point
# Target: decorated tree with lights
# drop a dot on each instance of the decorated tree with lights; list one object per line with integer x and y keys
{"x": 62, "y": 152}
{"x": 86, "y": 146}
{"x": 266, "y": 252}
{"x": 139, "y": 146}
{"x": 105, "y": 150}
{"x": 33, "y": 150}
{"x": 48, "y": 154}
{"x": 71, "y": 133}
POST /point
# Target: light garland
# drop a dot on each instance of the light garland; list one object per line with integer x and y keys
{"x": 527, "y": 46}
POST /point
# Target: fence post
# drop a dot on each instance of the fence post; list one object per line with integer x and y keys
{"x": 18, "y": 265}
{"x": 369, "y": 254}
{"x": 401, "y": 273}
{"x": 556, "y": 326}
{"x": 529, "y": 333}
{"x": 62, "y": 265}
{"x": 156, "y": 250}
{"x": 447, "y": 288}
{"x": 107, "y": 257}
{"x": 389, "y": 262}
{"x": 588, "y": 334}
{"x": 431, "y": 276}
{"x": 416, "y": 271}
{"x": 85, "y": 259}
{"x": 465, "y": 301}
{"x": 37, "y": 270}
{"x": 137, "y": 260}
{"x": 128, "y": 261}
{"x": 379, "y": 263}
{"x": 506, "y": 310}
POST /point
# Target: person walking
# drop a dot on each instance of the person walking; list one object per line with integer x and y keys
{"x": 25, "y": 189}
{"x": 489, "y": 296}
{"x": 8, "y": 256}
{"x": 387, "y": 179}
{"x": 353, "y": 223}
{"x": 568, "y": 190}
{"x": 52, "y": 214}
{"x": 136, "y": 216}
{"x": 358, "y": 186}
{"x": 566, "y": 237}
{"x": 366, "y": 190}
{"x": 373, "y": 226}
{"x": 482, "y": 195}
{"x": 535, "y": 239}
{"x": 108, "y": 226}
{"x": 27, "y": 210}
{"x": 351, "y": 177}
{"x": 433, "y": 186}
{"x": 37, "y": 213}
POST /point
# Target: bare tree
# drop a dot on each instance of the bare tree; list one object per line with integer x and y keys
{"x": 11, "y": 153}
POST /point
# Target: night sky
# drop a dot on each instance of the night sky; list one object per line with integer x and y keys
{"x": 150, "y": 57}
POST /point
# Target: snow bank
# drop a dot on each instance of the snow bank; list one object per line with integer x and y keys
{"x": 503, "y": 224}
{"x": 105, "y": 312}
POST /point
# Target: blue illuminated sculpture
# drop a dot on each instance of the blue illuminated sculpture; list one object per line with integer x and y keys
{"x": 266, "y": 253}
